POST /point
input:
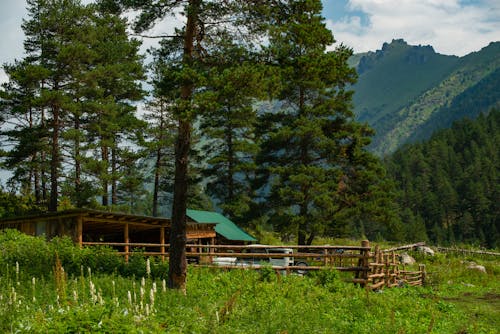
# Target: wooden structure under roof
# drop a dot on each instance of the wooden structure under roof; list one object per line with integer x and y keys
{"x": 84, "y": 225}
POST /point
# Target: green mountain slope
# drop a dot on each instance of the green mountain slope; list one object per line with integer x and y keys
{"x": 394, "y": 75}
{"x": 405, "y": 92}
{"x": 478, "y": 98}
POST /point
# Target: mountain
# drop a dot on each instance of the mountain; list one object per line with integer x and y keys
{"x": 407, "y": 92}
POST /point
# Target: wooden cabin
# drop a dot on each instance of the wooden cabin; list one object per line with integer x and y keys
{"x": 86, "y": 226}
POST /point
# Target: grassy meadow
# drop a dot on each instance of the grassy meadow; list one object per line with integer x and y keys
{"x": 68, "y": 290}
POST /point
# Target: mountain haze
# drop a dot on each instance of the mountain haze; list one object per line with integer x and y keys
{"x": 406, "y": 92}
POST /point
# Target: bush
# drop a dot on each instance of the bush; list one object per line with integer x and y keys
{"x": 37, "y": 256}
{"x": 32, "y": 254}
{"x": 330, "y": 279}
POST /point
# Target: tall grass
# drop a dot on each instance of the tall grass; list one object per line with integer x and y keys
{"x": 242, "y": 301}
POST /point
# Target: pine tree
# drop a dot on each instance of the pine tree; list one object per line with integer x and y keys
{"x": 25, "y": 143}
{"x": 313, "y": 150}
{"x": 79, "y": 62}
{"x": 49, "y": 48}
{"x": 113, "y": 84}
{"x": 158, "y": 145}
{"x": 228, "y": 128}
{"x": 187, "y": 55}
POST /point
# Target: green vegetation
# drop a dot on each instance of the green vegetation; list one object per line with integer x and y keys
{"x": 48, "y": 299}
{"x": 450, "y": 185}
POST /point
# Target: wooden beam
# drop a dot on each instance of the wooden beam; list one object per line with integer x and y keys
{"x": 201, "y": 235}
{"x": 162, "y": 242}
{"x": 116, "y": 221}
{"x": 127, "y": 240}
{"x": 79, "y": 231}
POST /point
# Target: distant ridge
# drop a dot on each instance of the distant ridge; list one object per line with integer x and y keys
{"x": 406, "y": 92}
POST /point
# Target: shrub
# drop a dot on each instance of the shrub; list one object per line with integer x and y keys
{"x": 37, "y": 256}
{"x": 330, "y": 279}
{"x": 31, "y": 253}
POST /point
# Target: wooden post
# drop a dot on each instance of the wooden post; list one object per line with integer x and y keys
{"x": 395, "y": 268}
{"x": 365, "y": 261}
{"x": 162, "y": 242}
{"x": 378, "y": 269}
{"x": 421, "y": 268}
{"x": 325, "y": 254}
{"x": 79, "y": 231}
{"x": 388, "y": 271}
{"x": 127, "y": 240}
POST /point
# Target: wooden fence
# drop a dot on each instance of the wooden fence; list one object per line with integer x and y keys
{"x": 387, "y": 271}
{"x": 466, "y": 251}
{"x": 372, "y": 270}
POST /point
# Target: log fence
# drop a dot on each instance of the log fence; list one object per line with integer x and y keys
{"x": 371, "y": 269}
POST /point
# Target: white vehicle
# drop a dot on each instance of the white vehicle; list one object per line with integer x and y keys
{"x": 281, "y": 261}
{"x": 285, "y": 258}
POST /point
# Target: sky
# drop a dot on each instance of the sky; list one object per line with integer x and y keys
{"x": 453, "y": 27}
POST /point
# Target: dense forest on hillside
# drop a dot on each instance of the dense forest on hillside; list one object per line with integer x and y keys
{"x": 450, "y": 185}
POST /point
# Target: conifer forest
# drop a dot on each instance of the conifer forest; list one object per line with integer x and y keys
{"x": 244, "y": 108}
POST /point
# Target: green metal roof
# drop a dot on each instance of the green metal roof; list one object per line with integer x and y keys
{"x": 224, "y": 226}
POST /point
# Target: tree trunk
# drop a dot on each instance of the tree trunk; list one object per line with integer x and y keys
{"x": 156, "y": 188}
{"x": 36, "y": 180}
{"x": 43, "y": 158}
{"x": 54, "y": 162}
{"x": 35, "y": 166}
{"x": 114, "y": 164}
{"x": 230, "y": 169}
{"x": 302, "y": 229}
{"x": 104, "y": 180}
{"x": 78, "y": 167}
{"x": 178, "y": 263}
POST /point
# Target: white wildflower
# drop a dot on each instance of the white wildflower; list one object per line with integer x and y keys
{"x": 129, "y": 296}
{"x": 99, "y": 297}
{"x": 13, "y": 296}
{"x": 152, "y": 297}
{"x": 148, "y": 268}
{"x": 33, "y": 283}
{"x": 93, "y": 295}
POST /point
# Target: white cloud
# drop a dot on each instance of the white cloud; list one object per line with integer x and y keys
{"x": 448, "y": 25}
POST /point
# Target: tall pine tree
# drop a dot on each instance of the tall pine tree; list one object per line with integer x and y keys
{"x": 188, "y": 53}
{"x": 313, "y": 154}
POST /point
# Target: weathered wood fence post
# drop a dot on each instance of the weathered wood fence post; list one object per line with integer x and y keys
{"x": 365, "y": 261}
